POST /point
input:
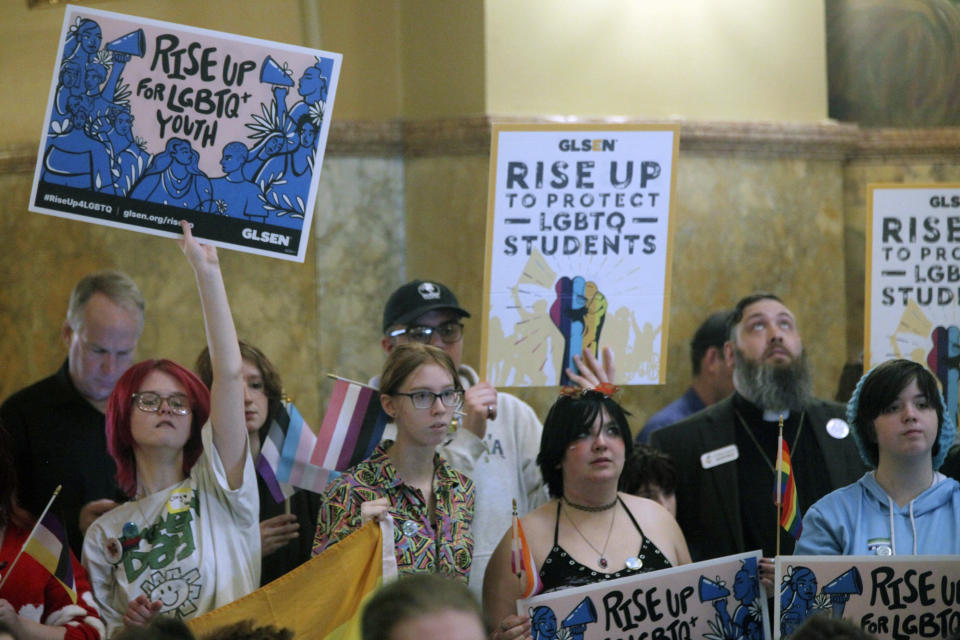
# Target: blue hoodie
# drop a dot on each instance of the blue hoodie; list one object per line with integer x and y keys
{"x": 861, "y": 519}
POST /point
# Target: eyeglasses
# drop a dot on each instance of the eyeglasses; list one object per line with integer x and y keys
{"x": 151, "y": 402}
{"x": 425, "y": 399}
{"x": 449, "y": 332}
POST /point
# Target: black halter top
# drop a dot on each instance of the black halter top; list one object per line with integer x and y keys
{"x": 560, "y": 571}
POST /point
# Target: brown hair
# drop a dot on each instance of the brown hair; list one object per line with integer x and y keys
{"x": 272, "y": 384}
{"x": 404, "y": 359}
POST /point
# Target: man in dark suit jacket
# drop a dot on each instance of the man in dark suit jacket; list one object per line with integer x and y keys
{"x": 726, "y": 453}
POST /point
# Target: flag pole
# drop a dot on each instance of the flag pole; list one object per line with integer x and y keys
{"x": 779, "y": 475}
{"x": 518, "y": 553}
{"x": 359, "y": 384}
{"x": 32, "y": 531}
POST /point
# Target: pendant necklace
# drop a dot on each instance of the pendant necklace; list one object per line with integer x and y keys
{"x": 602, "y": 561}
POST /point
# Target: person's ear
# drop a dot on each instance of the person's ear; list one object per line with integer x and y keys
{"x": 389, "y": 405}
{"x": 387, "y": 344}
{"x": 66, "y": 333}
{"x": 728, "y": 356}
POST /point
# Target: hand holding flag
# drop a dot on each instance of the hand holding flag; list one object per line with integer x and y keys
{"x": 47, "y": 544}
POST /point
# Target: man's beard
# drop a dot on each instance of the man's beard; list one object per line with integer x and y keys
{"x": 772, "y": 387}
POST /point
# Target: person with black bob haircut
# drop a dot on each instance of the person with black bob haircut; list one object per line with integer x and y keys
{"x": 586, "y": 440}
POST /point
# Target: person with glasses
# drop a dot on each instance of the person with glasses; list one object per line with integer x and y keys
{"x": 497, "y": 437}
{"x": 431, "y": 503}
{"x": 590, "y": 531}
{"x": 188, "y": 541}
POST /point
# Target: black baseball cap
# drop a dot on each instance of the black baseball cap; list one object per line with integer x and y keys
{"x": 416, "y": 298}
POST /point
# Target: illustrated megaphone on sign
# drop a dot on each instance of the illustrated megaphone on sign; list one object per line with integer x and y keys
{"x": 583, "y": 613}
{"x": 710, "y": 590}
{"x": 133, "y": 44}
{"x": 273, "y": 73}
{"x": 841, "y": 588}
{"x": 845, "y": 584}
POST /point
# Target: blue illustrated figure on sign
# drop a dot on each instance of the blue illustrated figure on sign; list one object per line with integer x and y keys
{"x": 83, "y": 42}
{"x": 797, "y": 592}
{"x": 284, "y": 180}
{"x": 543, "y": 622}
{"x": 174, "y": 178}
{"x": 90, "y": 144}
{"x": 747, "y": 620}
{"x": 312, "y": 88}
{"x": 799, "y": 598}
{"x": 71, "y": 75}
{"x": 127, "y": 153}
{"x": 75, "y": 158}
{"x": 234, "y": 195}
{"x": 270, "y": 145}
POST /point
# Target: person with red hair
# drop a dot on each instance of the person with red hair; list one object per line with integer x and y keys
{"x": 188, "y": 541}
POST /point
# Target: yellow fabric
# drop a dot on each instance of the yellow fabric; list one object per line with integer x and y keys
{"x": 321, "y": 598}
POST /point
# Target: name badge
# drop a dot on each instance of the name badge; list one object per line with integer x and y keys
{"x": 719, "y": 456}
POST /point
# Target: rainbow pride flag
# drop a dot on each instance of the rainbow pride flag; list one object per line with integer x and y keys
{"x": 352, "y": 427}
{"x": 48, "y": 546}
{"x": 785, "y": 494}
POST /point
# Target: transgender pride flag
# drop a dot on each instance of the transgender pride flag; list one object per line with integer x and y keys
{"x": 352, "y": 426}
{"x": 284, "y": 461}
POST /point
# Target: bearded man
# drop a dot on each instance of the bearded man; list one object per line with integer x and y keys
{"x": 726, "y": 453}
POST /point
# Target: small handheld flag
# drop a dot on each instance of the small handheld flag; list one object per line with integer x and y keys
{"x": 47, "y": 544}
{"x": 283, "y": 463}
{"x": 351, "y": 428}
{"x": 521, "y": 560}
{"x": 785, "y": 497}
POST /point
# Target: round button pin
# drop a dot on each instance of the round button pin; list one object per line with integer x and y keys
{"x": 409, "y": 528}
{"x": 633, "y": 563}
{"x": 838, "y": 428}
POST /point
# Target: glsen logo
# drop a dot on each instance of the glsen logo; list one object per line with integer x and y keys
{"x": 586, "y": 144}
{"x": 265, "y": 236}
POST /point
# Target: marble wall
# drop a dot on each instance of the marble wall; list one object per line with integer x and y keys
{"x": 758, "y": 206}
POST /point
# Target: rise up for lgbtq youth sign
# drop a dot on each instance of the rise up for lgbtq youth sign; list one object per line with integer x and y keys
{"x": 149, "y": 122}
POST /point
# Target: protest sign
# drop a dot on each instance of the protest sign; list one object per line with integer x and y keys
{"x": 896, "y": 597}
{"x": 150, "y": 122}
{"x": 578, "y": 250}
{"x": 720, "y": 599}
{"x": 913, "y": 280}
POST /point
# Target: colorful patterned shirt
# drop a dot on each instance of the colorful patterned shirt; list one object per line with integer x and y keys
{"x": 421, "y": 547}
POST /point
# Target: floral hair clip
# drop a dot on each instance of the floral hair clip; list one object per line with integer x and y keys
{"x": 606, "y": 389}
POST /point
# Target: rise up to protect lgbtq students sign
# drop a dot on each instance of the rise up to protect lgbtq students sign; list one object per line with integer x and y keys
{"x": 149, "y": 122}
{"x": 913, "y": 279}
{"x": 578, "y": 250}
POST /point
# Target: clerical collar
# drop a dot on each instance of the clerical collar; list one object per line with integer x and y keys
{"x": 774, "y": 416}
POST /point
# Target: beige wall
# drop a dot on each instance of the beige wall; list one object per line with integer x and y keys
{"x": 696, "y": 59}
{"x": 366, "y": 33}
{"x": 775, "y": 205}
